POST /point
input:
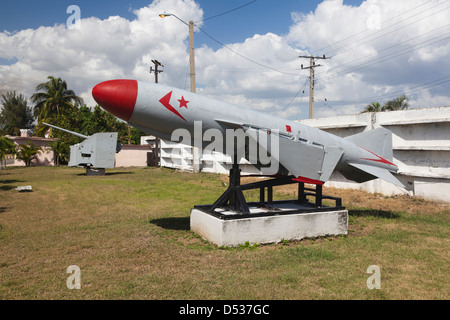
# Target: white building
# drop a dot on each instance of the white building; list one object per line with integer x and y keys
{"x": 421, "y": 143}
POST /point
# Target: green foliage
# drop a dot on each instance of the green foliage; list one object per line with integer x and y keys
{"x": 246, "y": 245}
{"x": 373, "y": 107}
{"x": 54, "y": 100}
{"x": 7, "y": 146}
{"x": 399, "y": 103}
{"x": 61, "y": 149}
{"x": 60, "y": 106}
{"x": 15, "y": 114}
{"x": 57, "y": 105}
{"x": 28, "y": 152}
{"x": 87, "y": 122}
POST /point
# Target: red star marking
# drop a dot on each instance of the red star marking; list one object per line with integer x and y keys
{"x": 183, "y": 103}
{"x": 288, "y": 128}
{"x": 165, "y": 101}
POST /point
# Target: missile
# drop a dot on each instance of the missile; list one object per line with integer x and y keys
{"x": 309, "y": 154}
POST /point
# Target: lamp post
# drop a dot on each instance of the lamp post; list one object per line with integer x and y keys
{"x": 195, "y": 150}
{"x": 191, "y": 48}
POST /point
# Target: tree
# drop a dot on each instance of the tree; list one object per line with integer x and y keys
{"x": 7, "y": 146}
{"x": 28, "y": 152}
{"x": 15, "y": 114}
{"x": 88, "y": 122}
{"x": 61, "y": 151}
{"x": 55, "y": 100}
{"x": 399, "y": 103}
{"x": 373, "y": 107}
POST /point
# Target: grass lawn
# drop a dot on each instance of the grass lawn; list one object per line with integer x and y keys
{"x": 128, "y": 232}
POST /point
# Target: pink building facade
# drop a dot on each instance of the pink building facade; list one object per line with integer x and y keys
{"x": 44, "y": 158}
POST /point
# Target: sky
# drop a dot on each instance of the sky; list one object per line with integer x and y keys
{"x": 247, "y": 52}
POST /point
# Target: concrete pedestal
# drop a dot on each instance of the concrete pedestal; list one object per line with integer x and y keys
{"x": 230, "y": 229}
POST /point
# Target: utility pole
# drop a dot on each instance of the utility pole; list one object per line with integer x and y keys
{"x": 191, "y": 47}
{"x": 156, "y": 149}
{"x": 195, "y": 150}
{"x": 312, "y": 65}
{"x": 192, "y": 55}
{"x": 156, "y": 70}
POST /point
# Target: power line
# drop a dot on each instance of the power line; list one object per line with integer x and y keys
{"x": 156, "y": 70}
{"x": 302, "y": 89}
{"x": 382, "y": 59}
{"x": 376, "y": 27}
{"x": 237, "y": 70}
{"x": 390, "y": 32}
{"x": 395, "y": 45}
{"x": 325, "y": 99}
{"x": 312, "y": 66}
{"x": 343, "y": 44}
{"x": 229, "y": 11}
{"x": 419, "y": 87}
{"x": 244, "y": 57}
{"x": 385, "y": 58}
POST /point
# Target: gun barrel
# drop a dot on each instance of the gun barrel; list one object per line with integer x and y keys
{"x": 68, "y": 131}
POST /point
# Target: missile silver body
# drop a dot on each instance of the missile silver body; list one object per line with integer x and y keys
{"x": 308, "y": 153}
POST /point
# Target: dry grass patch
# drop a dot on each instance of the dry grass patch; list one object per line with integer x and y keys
{"x": 129, "y": 233}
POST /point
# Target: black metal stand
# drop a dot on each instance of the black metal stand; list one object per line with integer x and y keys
{"x": 233, "y": 198}
{"x": 90, "y": 171}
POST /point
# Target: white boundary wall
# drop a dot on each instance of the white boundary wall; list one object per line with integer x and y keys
{"x": 421, "y": 143}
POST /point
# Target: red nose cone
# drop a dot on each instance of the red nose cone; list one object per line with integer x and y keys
{"x": 118, "y": 97}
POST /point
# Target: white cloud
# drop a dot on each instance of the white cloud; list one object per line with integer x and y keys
{"x": 96, "y": 51}
{"x": 378, "y": 48}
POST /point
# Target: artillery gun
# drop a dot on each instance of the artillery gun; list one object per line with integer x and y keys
{"x": 95, "y": 153}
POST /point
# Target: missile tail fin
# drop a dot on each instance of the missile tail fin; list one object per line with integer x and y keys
{"x": 376, "y": 172}
{"x": 379, "y": 141}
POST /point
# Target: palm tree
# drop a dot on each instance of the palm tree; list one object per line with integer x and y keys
{"x": 61, "y": 151}
{"x": 399, "y": 103}
{"x": 7, "y": 146}
{"x": 28, "y": 152}
{"x": 54, "y": 100}
{"x": 373, "y": 107}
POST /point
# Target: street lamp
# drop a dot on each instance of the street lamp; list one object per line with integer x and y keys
{"x": 195, "y": 150}
{"x": 191, "y": 47}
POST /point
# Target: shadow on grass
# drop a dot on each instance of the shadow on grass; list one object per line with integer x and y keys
{"x": 373, "y": 213}
{"x": 117, "y": 173}
{"x": 8, "y": 181}
{"x": 6, "y": 188}
{"x": 173, "y": 223}
{"x": 106, "y": 174}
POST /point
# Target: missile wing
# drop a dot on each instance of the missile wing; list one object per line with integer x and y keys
{"x": 309, "y": 154}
